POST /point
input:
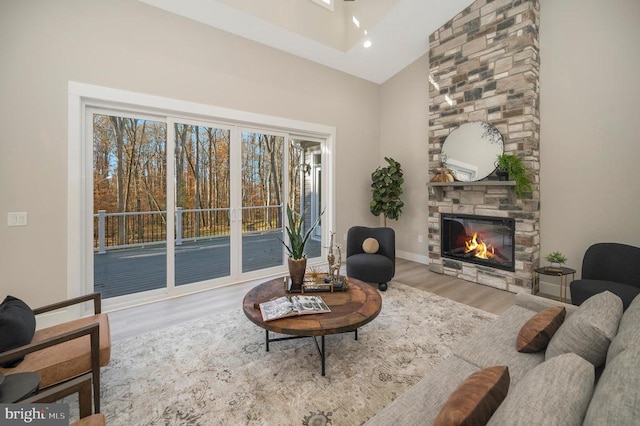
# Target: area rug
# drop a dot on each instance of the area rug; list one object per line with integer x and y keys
{"x": 215, "y": 370}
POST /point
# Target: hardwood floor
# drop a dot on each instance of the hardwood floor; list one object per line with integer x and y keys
{"x": 479, "y": 296}
{"x": 141, "y": 319}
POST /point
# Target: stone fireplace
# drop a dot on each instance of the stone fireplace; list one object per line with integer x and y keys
{"x": 484, "y": 66}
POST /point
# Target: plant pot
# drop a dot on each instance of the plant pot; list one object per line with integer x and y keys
{"x": 503, "y": 175}
{"x": 297, "y": 268}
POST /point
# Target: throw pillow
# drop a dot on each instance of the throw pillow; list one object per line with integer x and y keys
{"x": 535, "y": 335}
{"x": 615, "y": 398}
{"x": 627, "y": 337}
{"x": 17, "y": 326}
{"x": 370, "y": 245}
{"x": 556, "y": 392}
{"x": 589, "y": 330}
{"x": 476, "y": 399}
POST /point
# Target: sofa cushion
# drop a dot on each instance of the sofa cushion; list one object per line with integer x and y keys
{"x": 476, "y": 399}
{"x": 590, "y": 330}
{"x": 17, "y": 326}
{"x": 628, "y": 335}
{"x": 495, "y": 345}
{"x": 615, "y": 399}
{"x": 537, "y": 303}
{"x": 419, "y": 405}
{"x": 535, "y": 335}
{"x": 69, "y": 359}
{"x": 557, "y": 392}
{"x": 370, "y": 245}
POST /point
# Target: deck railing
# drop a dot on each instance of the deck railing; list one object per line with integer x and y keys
{"x": 113, "y": 231}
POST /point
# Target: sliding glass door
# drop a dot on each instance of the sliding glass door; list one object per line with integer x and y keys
{"x": 129, "y": 203}
{"x": 202, "y": 203}
{"x": 262, "y": 188}
{"x": 180, "y": 202}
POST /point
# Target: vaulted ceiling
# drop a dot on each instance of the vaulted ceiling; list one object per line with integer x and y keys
{"x": 398, "y": 30}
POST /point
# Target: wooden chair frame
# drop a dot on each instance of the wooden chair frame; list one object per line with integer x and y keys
{"x": 80, "y": 385}
{"x": 92, "y": 330}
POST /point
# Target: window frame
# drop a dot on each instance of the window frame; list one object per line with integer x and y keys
{"x": 84, "y": 97}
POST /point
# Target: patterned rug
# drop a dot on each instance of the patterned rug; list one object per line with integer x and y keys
{"x": 215, "y": 371}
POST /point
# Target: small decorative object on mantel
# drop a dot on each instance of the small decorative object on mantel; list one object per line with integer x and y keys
{"x": 442, "y": 174}
{"x": 556, "y": 259}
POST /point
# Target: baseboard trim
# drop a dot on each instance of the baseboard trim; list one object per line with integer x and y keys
{"x": 414, "y": 257}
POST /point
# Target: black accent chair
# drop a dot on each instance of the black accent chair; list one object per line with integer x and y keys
{"x": 377, "y": 267}
{"x": 608, "y": 266}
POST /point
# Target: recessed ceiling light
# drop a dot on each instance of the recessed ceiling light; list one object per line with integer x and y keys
{"x": 367, "y": 44}
{"x": 355, "y": 21}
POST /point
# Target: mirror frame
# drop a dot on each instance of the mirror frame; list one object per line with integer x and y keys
{"x": 470, "y": 142}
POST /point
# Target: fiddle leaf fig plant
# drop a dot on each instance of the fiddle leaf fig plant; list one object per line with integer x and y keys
{"x": 386, "y": 189}
{"x": 517, "y": 171}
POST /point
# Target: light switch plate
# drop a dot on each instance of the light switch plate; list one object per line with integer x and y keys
{"x": 17, "y": 219}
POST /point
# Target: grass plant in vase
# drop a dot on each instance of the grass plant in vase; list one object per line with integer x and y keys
{"x": 297, "y": 240}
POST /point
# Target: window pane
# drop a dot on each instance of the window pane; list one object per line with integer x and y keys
{"x": 202, "y": 203}
{"x": 262, "y": 201}
{"x": 305, "y": 173}
{"x": 129, "y": 201}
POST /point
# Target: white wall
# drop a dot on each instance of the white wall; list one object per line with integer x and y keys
{"x": 404, "y": 115}
{"x": 128, "y": 45}
{"x": 589, "y": 143}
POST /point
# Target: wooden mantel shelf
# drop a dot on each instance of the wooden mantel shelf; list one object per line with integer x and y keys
{"x": 479, "y": 183}
{"x": 437, "y": 189}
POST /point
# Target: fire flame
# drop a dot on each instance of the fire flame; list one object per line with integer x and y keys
{"x": 479, "y": 248}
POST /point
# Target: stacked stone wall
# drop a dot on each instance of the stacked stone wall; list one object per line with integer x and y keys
{"x": 484, "y": 66}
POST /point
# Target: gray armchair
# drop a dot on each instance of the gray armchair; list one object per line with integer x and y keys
{"x": 608, "y": 266}
{"x": 379, "y": 267}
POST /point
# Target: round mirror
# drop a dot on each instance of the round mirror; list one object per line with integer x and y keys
{"x": 471, "y": 150}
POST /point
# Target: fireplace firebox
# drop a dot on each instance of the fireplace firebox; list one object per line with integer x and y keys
{"x": 483, "y": 240}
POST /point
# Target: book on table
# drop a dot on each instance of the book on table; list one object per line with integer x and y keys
{"x": 291, "y": 306}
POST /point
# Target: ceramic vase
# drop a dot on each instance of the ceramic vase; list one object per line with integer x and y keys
{"x": 297, "y": 268}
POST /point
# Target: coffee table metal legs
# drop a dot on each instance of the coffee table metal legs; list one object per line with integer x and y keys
{"x": 319, "y": 347}
{"x": 320, "y": 351}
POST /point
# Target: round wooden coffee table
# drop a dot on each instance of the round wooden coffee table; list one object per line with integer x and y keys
{"x": 350, "y": 310}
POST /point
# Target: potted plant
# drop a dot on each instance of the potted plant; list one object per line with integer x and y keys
{"x": 516, "y": 171}
{"x": 386, "y": 188}
{"x": 556, "y": 259}
{"x": 297, "y": 239}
